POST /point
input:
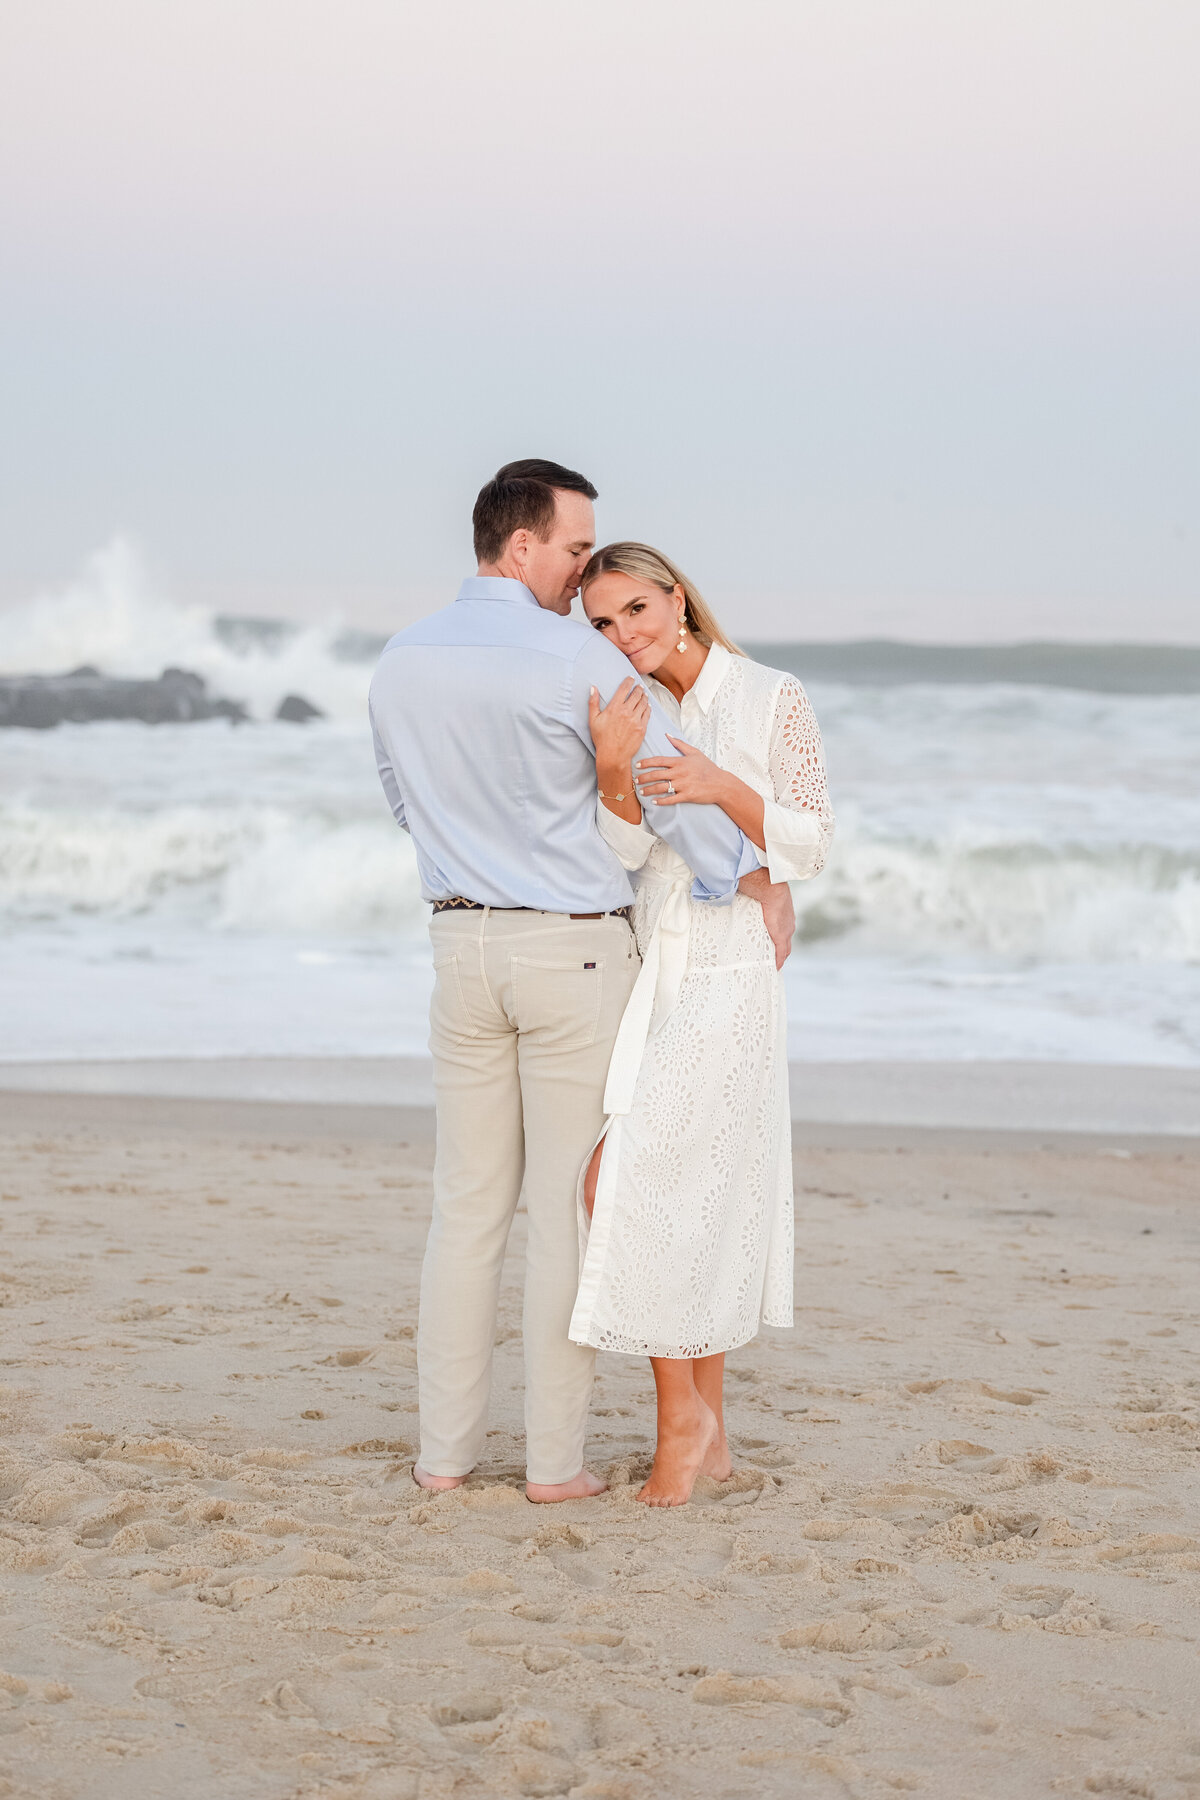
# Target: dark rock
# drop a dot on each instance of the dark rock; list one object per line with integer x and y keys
{"x": 39, "y": 702}
{"x": 296, "y": 710}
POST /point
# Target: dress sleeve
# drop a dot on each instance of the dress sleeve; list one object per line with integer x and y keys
{"x": 630, "y": 843}
{"x": 798, "y": 823}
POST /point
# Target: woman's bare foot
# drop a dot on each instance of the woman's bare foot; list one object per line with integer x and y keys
{"x": 718, "y": 1464}
{"x": 437, "y": 1483}
{"x": 583, "y": 1487}
{"x": 679, "y": 1458}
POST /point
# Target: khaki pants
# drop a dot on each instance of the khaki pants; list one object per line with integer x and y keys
{"x": 525, "y": 1010}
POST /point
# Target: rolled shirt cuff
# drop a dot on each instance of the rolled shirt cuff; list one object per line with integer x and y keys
{"x": 793, "y": 842}
{"x": 630, "y": 843}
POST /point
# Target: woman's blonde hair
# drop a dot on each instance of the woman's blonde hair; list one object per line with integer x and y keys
{"x": 643, "y": 563}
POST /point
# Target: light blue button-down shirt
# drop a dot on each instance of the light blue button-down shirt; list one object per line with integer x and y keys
{"x": 480, "y": 715}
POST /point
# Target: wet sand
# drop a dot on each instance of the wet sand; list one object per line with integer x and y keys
{"x": 960, "y": 1555}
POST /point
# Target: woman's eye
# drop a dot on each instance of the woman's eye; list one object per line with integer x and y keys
{"x": 637, "y": 607}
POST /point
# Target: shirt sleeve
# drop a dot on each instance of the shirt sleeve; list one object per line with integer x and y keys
{"x": 631, "y": 843}
{"x": 709, "y": 842}
{"x": 387, "y": 775}
{"x": 798, "y": 822}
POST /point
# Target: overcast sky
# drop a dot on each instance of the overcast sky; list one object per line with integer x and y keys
{"x": 878, "y": 315}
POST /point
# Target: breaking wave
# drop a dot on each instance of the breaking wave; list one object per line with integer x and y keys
{"x": 1028, "y": 823}
{"x": 1136, "y": 903}
{"x": 250, "y": 868}
{"x": 113, "y": 619}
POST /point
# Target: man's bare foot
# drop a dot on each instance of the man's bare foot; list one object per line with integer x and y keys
{"x": 718, "y": 1464}
{"x": 679, "y": 1458}
{"x": 583, "y": 1487}
{"x": 438, "y": 1483}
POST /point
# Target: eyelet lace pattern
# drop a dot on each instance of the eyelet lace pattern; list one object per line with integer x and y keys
{"x": 699, "y": 1251}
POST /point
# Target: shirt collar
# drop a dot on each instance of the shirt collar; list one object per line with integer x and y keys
{"x": 496, "y": 587}
{"x": 710, "y": 677}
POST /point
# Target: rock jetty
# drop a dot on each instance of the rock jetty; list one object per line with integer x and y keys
{"x": 39, "y": 702}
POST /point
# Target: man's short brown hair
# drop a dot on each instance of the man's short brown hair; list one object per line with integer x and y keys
{"x": 520, "y": 497}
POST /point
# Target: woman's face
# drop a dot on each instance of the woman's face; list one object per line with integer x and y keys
{"x": 641, "y": 619}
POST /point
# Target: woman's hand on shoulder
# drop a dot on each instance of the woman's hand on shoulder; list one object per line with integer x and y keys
{"x": 692, "y": 776}
{"x": 619, "y": 728}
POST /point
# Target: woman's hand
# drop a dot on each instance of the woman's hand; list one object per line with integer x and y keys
{"x": 779, "y": 917}
{"x": 779, "y": 911}
{"x": 619, "y": 728}
{"x": 665, "y": 780}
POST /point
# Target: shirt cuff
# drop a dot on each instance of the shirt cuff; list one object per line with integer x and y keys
{"x": 632, "y": 844}
{"x": 793, "y": 842}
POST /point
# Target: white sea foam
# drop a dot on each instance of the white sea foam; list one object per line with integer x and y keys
{"x": 1016, "y": 870}
{"x": 304, "y": 869}
{"x": 254, "y": 869}
{"x": 1127, "y": 903}
{"x": 113, "y": 618}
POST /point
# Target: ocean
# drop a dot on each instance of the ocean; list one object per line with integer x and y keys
{"x": 1015, "y": 875}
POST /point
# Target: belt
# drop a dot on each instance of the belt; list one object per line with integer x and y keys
{"x": 458, "y": 904}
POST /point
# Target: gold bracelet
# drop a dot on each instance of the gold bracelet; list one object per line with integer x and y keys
{"x": 611, "y": 796}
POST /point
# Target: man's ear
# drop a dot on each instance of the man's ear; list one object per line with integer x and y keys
{"x": 518, "y": 547}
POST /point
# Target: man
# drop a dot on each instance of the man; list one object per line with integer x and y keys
{"x": 480, "y": 716}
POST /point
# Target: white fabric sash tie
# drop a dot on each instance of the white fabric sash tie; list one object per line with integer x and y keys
{"x": 655, "y": 992}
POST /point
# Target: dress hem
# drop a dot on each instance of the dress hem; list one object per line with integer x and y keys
{"x": 677, "y": 1355}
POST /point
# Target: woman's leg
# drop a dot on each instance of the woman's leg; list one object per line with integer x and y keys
{"x": 687, "y": 1431}
{"x": 708, "y": 1372}
{"x": 592, "y": 1178}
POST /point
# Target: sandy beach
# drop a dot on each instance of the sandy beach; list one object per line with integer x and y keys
{"x": 959, "y": 1556}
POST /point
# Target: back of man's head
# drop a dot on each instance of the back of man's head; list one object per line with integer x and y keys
{"x": 520, "y": 497}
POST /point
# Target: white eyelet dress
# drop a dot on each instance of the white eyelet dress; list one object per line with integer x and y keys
{"x": 690, "y": 1246}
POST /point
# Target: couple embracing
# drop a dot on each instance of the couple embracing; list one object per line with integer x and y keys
{"x": 606, "y": 813}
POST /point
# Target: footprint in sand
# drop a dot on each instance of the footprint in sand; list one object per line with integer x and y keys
{"x": 843, "y": 1633}
{"x": 473, "y": 1708}
{"x": 940, "y": 1672}
{"x": 961, "y": 1453}
{"x": 765, "y": 1454}
{"x": 1035, "y": 1602}
{"x": 481, "y": 1581}
{"x": 555, "y": 1731}
{"x": 541, "y": 1659}
{"x": 572, "y": 1550}
{"x": 162, "y": 1687}
{"x": 602, "y": 1646}
{"x": 724, "y": 1689}
{"x": 744, "y": 1488}
{"x": 983, "y": 1526}
{"x": 285, "y": 1701}
{"x": 954, "y": 1390}
{"x": 748, "y": 1557}
{"x": 378, "y": 1447}
{"x": 847, "y": 1632}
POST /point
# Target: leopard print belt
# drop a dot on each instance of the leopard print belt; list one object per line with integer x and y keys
{"x": 458, "y": 904}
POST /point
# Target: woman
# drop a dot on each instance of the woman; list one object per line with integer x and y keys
{"x": 687, "y": 1199}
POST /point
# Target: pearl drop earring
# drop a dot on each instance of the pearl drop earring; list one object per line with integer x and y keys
{"x": 681, "y": 646}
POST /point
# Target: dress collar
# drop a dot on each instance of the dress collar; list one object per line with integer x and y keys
{"x": 703, "y": 689}
{"x": 496, "y": 587}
